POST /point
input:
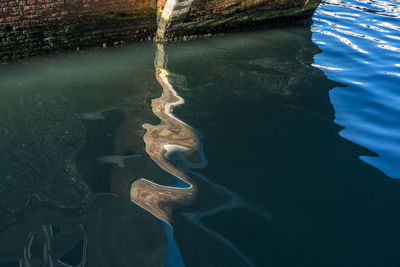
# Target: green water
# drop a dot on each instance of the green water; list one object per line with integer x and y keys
{"x": 268, "y": 133}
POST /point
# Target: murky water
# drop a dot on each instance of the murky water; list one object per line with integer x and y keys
{"x": 267, "y": 148}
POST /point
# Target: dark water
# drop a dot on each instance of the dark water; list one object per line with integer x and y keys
{"x": 299, "y": 126}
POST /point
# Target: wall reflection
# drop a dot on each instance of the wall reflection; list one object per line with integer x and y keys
{"x": 278, "y": 179}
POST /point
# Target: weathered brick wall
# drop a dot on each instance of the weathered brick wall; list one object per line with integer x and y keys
{"x": 29, "y": 11}
{"x": 33, "y": 27}
{"x": 18, "y": 11}
{"x": 207, "y": 8}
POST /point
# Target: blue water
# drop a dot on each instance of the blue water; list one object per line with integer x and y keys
{"x": 361, "y": 49}
{"x": 180, "y": 184}
{"x": 174, "y": 257}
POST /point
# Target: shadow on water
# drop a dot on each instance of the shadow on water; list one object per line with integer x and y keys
{"x": 281, "y": 187}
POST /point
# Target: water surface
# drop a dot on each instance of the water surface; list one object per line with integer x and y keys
{"x": 296, "y": 149}
{"x": 361, "y": 44}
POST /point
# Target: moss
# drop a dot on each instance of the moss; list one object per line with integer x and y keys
{"x": 241, "y": 19}
{"x": 178, "y": 19}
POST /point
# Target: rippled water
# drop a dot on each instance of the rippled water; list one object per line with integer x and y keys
{"x": 361, "y": 49}
{"x": 279, "y": 149}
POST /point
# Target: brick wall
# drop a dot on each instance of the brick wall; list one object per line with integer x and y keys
{"x": 28, "y": 11}
{"x": 35, "y": 27}
{"x": 203, "y": 8}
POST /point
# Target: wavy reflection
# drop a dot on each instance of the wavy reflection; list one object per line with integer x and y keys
{"x": 380, "y": 8}
{"x": 56, "y": 169}
{"x": 169, "y": 137}
{"x": 176, "y": 148}
{"x": 343, "y": 40}
{"x": 368, "y": 107}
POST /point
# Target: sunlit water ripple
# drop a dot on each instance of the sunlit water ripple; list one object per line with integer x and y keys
{"x": 361, "y": 49}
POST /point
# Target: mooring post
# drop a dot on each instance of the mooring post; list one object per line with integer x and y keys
{"x": 174, "y": 12}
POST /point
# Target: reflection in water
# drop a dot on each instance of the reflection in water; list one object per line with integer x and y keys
{"x": 42, "y": 242}
{"x": 176, "y": 148}
{"x": 169, "y": 137}
{"x": 368, "y": 107}
{"x": 74, "y": 151}
{"x": 55, "y": 168}
{"x": 269, "y": 136}
{"x": 267, "y": 76}
{"x": 257, "y": 71}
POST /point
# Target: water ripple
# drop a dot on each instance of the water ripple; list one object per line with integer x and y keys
{"x": 344, "y": 40}
{"x": 389, "y": 25}
{"x": 373, "y": 27}
{"x": 380, "y": 8}
{"x": 389, "y": 47}
{"x": 361, "y": 36}
{"x": 368, "y": 107}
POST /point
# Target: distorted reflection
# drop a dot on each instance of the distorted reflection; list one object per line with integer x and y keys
{"x": 102, "y": 159}
{"x": 368, "y": 107}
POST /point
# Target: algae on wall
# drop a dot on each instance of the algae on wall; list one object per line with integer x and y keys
{"x": 190, "y": 19}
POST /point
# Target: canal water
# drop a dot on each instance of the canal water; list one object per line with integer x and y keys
{"x": 298, "y": 151}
